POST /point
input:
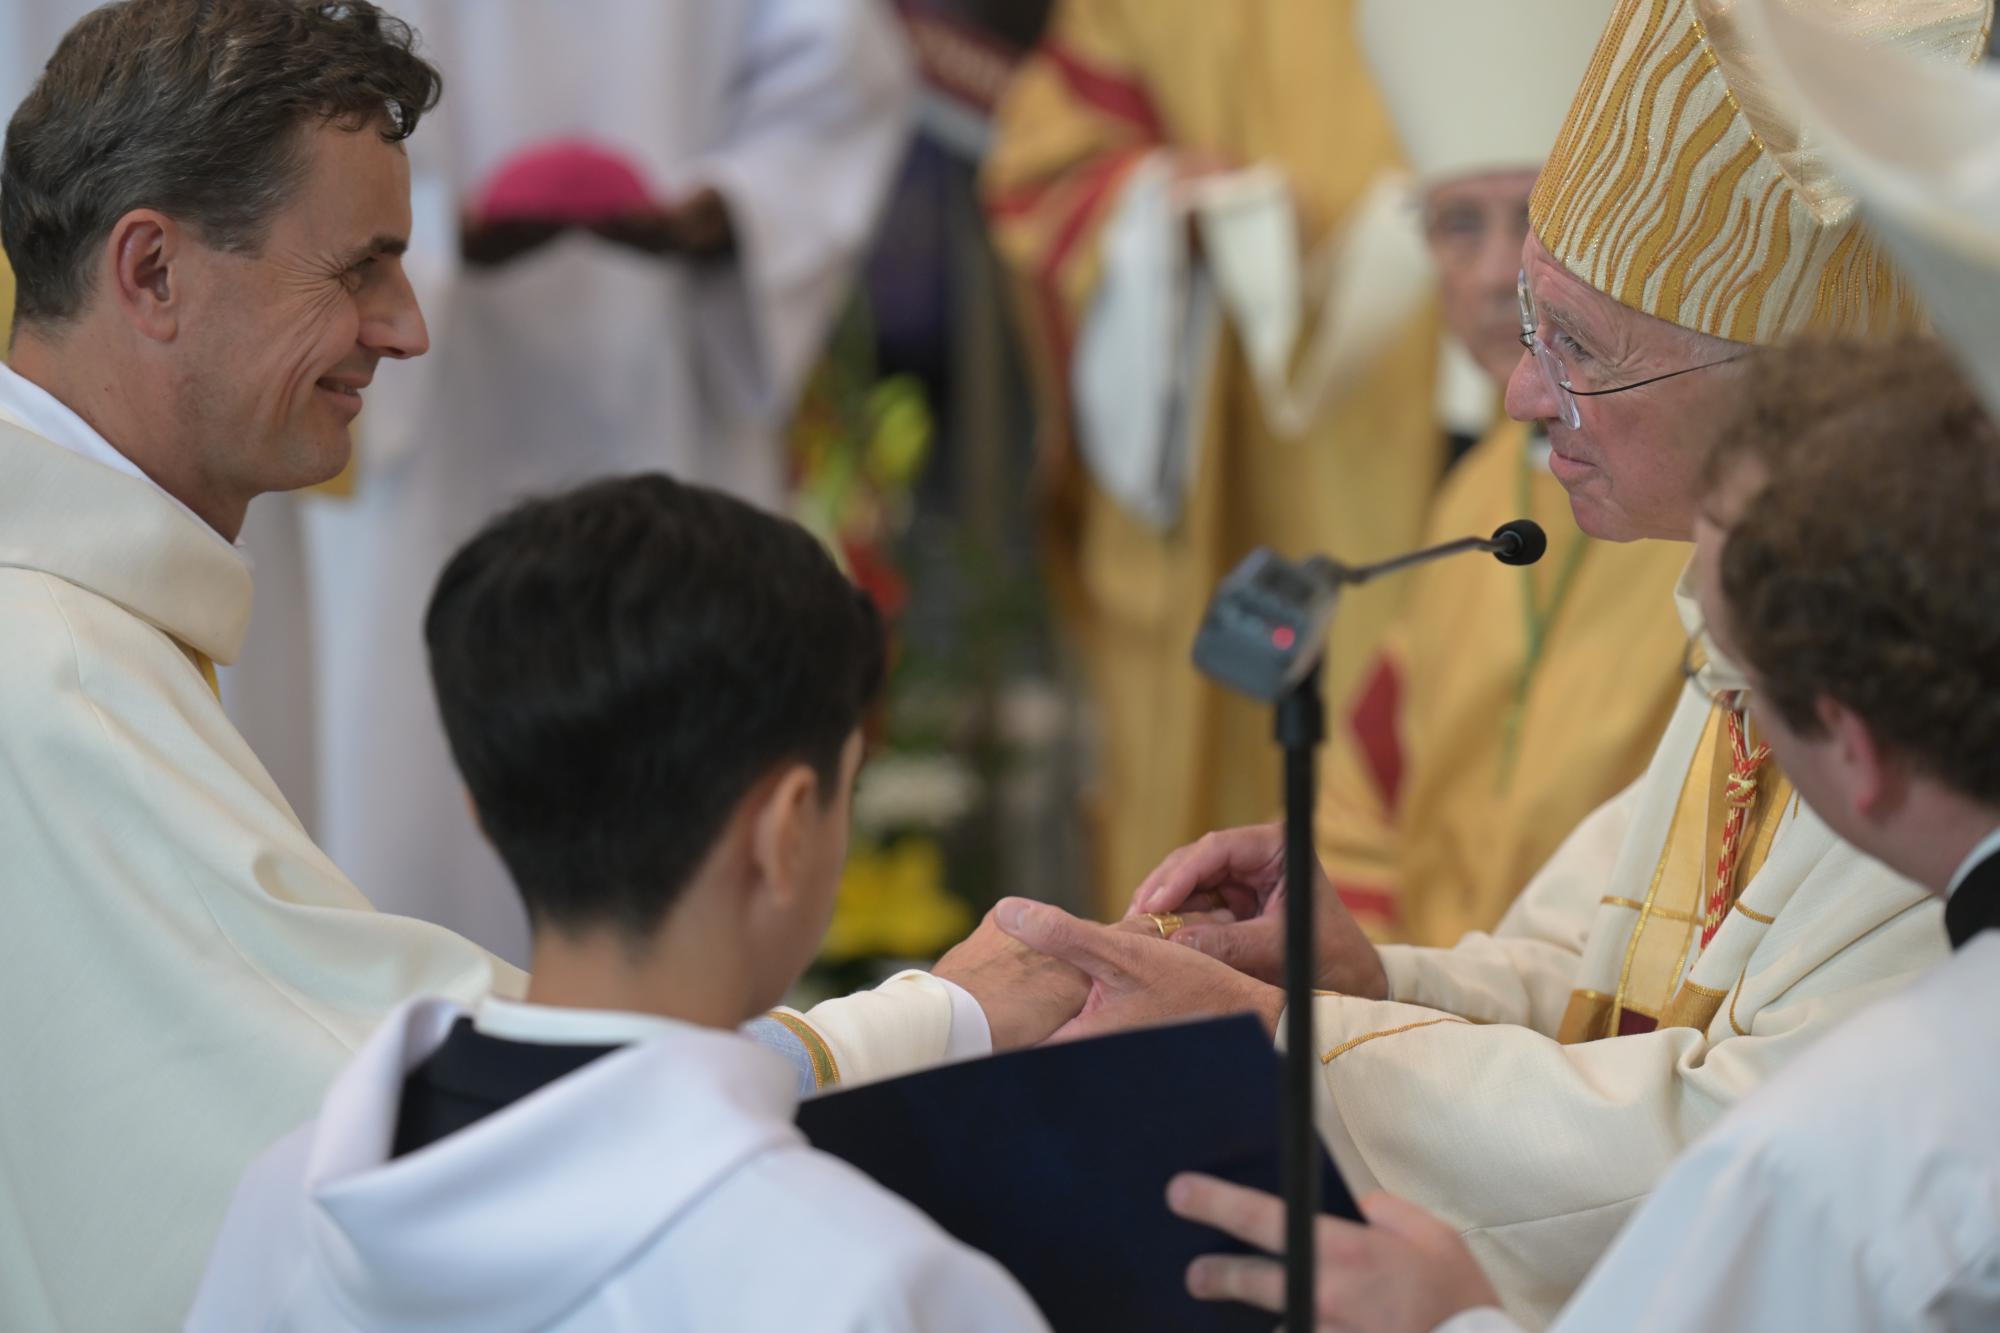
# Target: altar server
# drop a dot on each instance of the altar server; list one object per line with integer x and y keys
{"x": 610, "y": 1154}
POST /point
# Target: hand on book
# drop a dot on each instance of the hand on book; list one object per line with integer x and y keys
{"x": 1405, "y": 1272}
{"x": 1136, "y": 979}
{"x": 1242, "y": 872}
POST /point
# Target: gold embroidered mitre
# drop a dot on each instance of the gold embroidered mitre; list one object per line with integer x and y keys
{"x": 1681, "y": 185}
{"x": 1915, "y": 140}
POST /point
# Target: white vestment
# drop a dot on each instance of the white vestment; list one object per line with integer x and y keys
{"x": 182, "y": 970}
{"x": 581, "y": 359}
{"x": 1857, "y": 1192}
{"x": 659, "y": 1187}
{"x": 269, "y": 692}
{"x": 1538, "y": 1151}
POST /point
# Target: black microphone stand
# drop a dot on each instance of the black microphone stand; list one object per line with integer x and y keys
{"x": 1301, "y": 726}
{"x": 1264, "y": 635}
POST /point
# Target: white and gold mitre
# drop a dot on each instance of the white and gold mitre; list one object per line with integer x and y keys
{"x": 1682, "y": 187}
{"x": 1478, "y": 86}
{"x": 1918, "y": 141}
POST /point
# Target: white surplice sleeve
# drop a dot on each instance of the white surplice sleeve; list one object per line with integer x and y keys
{"x": 821, "y": 115}
{"x": 1538, "y": 1151}
{"x": 910, "y": 1022}
{"x": 1524, "y": 971}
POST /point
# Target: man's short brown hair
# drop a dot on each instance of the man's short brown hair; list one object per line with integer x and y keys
{"x": 1867, "y": 568}
{"x": 196, "y": 108}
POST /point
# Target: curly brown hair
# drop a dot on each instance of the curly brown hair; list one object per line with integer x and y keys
{"x": 1865, "y": 566}
{"x": 195, "y": 108}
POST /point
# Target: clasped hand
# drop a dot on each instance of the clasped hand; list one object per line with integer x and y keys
{"x": 1040, "y": 973}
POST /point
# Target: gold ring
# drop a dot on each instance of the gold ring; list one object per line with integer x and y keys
{"x": 1166, "y": 923}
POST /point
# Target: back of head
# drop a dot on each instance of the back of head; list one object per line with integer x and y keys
{"x": 1867, "y": 567}
{"x": 195, "y": 108}
{"x": 618, "y": 666}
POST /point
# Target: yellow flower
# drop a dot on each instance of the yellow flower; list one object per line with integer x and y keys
{"x": 893, "y": 903}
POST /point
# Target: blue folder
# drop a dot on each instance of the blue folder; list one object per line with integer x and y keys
{"x": 1055, "y": 1161}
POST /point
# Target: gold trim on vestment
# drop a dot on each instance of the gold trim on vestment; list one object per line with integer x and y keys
{"x": 1754, "y": 914}
{"x": 1904, "y": 910}
{"x": 1663, "y": 943}
{"x": 205, "y": 665}
{"x": 1709, "y": 731}
{"x": 1367, "y": 1037}
{"x": 1737, "y": 994}
{"x": 1584, "y": 1017}
{"x": 826, "y": 1070}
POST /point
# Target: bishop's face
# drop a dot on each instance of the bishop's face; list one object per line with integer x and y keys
{"x": 1632, "y": 464}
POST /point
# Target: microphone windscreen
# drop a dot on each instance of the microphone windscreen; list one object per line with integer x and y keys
{"x": 1522, "y": 542}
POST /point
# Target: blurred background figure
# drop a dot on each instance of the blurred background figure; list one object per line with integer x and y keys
{"x": 635, "y": 225}
{"x": 1431, "y": 817}
{"x": 1228, "y": 318}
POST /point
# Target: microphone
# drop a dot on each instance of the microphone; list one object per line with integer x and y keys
{"x": 1521, "y": 542}
{"x": 1265, "y": 628}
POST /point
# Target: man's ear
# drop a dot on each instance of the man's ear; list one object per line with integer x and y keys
{"x": 147, "y": 251}
{"x": 1872, "y": 775}
{"x": 779, "y": 831}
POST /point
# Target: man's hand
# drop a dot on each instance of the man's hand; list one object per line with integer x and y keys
{"x": 1136, "y": 979}
{"x": 1405, "y": 1272}
{"x": 1026, "y": 995}
{"x": 1242, "y": 871}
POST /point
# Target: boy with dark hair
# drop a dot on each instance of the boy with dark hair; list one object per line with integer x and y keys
{"x": 654, "y": 693}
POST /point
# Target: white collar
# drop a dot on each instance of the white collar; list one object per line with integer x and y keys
{"x": 551, "y": 1025}
{"x": 1987, "y": 848}
{"x": 1720, "y": 675}
{"x": 34, "y": 409}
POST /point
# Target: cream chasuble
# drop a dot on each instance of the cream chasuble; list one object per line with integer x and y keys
{"x": 1481, "y": 1092}
{"x": 183, "y": 971}
{"x": 1506, "y": 705}
{"x": 1114, "y": 83}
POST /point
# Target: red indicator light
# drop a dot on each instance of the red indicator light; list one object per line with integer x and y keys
{"x": 1282, "y": 638}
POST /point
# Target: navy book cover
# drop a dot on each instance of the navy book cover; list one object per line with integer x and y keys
{"x": 1055, "y": 1161}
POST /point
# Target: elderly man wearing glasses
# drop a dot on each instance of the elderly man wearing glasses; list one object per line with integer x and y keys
{"x": 1452, "y": 775}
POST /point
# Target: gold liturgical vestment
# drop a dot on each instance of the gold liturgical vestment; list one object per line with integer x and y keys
{"x": 1280, "y": 82}
{"x": 1505, "y": 706}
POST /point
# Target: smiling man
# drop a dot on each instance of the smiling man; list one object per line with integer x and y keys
{"x": 203, "y": 204}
